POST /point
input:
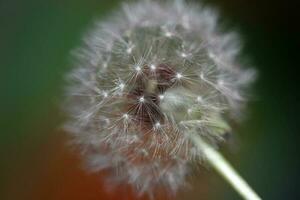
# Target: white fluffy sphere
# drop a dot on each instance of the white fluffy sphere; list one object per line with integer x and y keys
{"x": 146, "y": 77}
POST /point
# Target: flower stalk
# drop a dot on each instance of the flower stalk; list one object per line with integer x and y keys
{"x": 221, "y": 165}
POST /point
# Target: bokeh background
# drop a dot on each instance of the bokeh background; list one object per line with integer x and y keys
{"x": 36, "y": 37}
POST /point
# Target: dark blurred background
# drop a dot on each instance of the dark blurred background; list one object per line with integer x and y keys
{"x": 36, "y": 37}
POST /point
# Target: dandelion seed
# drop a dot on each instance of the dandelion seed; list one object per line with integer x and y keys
{"x": 129, "y": 49}
{"x": 199, "y": 99}
{"x": 211, "y": 55}
{"x": 104, "y": 65}
{"x": 183, "y": 55}
{"x": 125, "y": 116}
{"x": 168, "y": 34}
{"x": 178, "y": 76}
{"x": 202, "y": 76}
{"x": 220, "y": 82}
{"x": 141, "y": 99}
{"x": 121, "y": 86}
{"x": 106, "y": 121}
{"x": 152, "y": 67}
{"x": 138, "y": 68}
{"x": 105, "y": 94}
{"x": 157, "y": 126}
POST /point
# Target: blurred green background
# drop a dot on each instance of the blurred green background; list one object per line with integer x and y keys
{"x": 36, "y": 37}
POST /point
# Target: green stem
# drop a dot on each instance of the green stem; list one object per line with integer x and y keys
{"x": 219, "y": 163}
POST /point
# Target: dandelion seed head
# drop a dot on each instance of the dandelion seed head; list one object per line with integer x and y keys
{"x": 146, "y": 77}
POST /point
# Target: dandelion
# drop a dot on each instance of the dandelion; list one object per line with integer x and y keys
{"x": 152, "y": 93}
